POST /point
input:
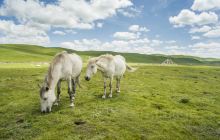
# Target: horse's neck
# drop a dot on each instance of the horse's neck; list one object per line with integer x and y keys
{"x": 52, "y": 78}
{"x": 105, "y": 65}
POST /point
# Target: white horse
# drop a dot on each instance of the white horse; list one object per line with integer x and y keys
{"x": 110, "y": 66}
{"x": 63, "y": 67}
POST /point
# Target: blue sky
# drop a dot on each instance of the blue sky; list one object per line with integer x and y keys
{"x": 188, "y": 27}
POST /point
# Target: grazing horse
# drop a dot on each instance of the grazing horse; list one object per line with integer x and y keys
{"x": 110, "y": 66}
{"x": 63, "y": 67}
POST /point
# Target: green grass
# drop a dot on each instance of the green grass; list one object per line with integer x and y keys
{"x": 32, "y": 53}
{"x": 156, "y": 102}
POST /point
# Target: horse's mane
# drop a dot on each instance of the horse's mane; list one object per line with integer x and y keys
{"x": 58, "y": 58}
{"x": 93, "y": 59}
{"x": 106, "y": 56}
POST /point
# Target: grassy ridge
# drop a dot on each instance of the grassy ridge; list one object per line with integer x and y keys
{"x": 27, "y": 53}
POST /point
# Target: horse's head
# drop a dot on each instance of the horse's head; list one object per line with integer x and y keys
{"x": 91, "y": 68}
{"x": 47, "y": 98}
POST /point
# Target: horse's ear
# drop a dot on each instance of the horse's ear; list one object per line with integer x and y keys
{"x": 39, "y": 85}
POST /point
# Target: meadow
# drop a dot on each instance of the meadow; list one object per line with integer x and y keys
{"x": 156, "y": 102}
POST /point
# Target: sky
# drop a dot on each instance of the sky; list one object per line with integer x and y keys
{"x": 172, "y": 27}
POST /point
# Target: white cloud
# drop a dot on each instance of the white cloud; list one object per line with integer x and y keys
{"x": 59, "y": 33}
{"x": 195, "y": 37}
{"x": 202, "y": 5}
{"x": 70, "y": 31}
{"x": 134, "y": 28}
{"x": 64, "y": 13}
{"x": 82, "y": 45}
{"x": 145, "y": 46}
{"x": 135, "y": 32}
{"x": 99, "y": 25}
{"x": 125, "y": 35}
{"x": 187, "y": 17}
{"x": 156, "y": 42}
{"x": 201, "y": 45}
{"x": 210, "y": 49}
{"x": 175, "y": 47}
{"x": 13, "y": 33}
{"x": 170, "y": 41}
{"x": 213, "y": 33}
{"x": 137, "y": 28}
{"x": 40, "y": 17}
{"x": 38, "y": 26}
{"x": 133, "y": 46}
{"x": 131, "y": 11}
{"x": 200, "y": 30}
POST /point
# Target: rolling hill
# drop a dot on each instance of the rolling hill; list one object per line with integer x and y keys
{"x": 33, "y": 53}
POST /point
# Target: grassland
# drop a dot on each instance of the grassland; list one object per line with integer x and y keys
{"x": 156, "y": 102}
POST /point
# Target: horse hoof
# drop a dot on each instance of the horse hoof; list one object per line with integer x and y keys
{"x": 56, "y": 104}
{"x": 110, "y": 96}
{"x": 118, "y": 91}
{"x": 103, "y": 97}
{"x": 72, "y": 105}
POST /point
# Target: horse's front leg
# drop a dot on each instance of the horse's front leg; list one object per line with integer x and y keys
{"x": 104, "y": 95}
{"x": 70, "y": 91}
{"x": 58, "y": 93}
{"x": 110, "y": 86}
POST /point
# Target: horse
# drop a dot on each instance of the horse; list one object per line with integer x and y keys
{"x": 110, "y": 67}
{"x": 64, "y": 66}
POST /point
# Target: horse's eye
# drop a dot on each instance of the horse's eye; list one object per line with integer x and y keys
{"x": 92, "y": 67}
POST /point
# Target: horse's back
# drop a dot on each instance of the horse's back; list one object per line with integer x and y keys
{"x": 120, "y": 65}
{"x": 76, "y": 64}
{"x": 120, "y": 57}
{"x": 76, "y": 59}
{"x": 70, "y": 64}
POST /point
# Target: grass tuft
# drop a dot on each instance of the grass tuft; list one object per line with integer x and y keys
{"x": 184, "y": 100}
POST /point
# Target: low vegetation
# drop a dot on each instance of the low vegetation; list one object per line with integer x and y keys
{"x": 156, "y": 102}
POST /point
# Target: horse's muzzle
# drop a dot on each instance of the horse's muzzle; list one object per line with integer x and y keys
{"x": 46, "y": 111}
{"x": 87, "y": 78}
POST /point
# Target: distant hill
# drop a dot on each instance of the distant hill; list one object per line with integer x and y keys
{"x": 33, "y": 53}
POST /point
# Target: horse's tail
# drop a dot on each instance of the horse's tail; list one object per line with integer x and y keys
{"x": 78, "y": 81}
{"x": 130, "y": 69}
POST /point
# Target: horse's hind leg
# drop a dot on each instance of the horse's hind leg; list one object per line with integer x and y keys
{"x": 74, "y": 88}
{"x": 110, "y": 85}
{"x": 58, "y": 92}
{"x": 118, "y": 79}
{"x": 70, "y": 92}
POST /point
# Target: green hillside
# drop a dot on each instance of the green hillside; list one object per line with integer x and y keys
{"x": 33, "y": 53}
{"x": 24, "y": 53}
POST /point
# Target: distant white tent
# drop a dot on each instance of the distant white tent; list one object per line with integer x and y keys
{"x": 168, "y": 62}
